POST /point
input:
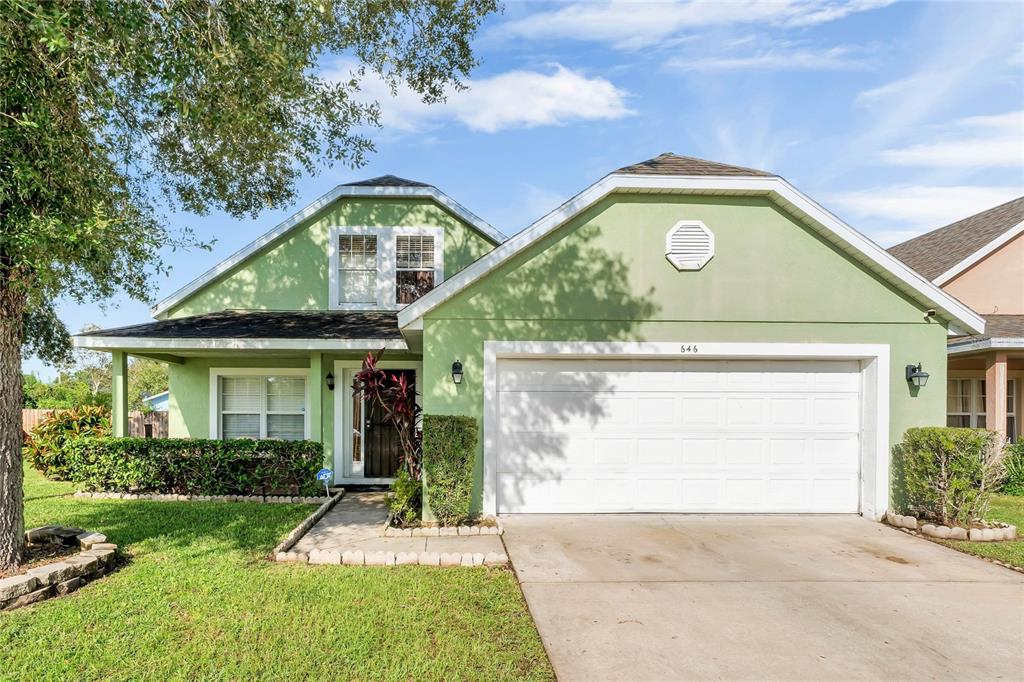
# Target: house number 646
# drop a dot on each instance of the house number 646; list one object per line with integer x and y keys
{"x": 688, "y": 348}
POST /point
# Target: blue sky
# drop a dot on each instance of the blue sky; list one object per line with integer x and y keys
{"x": 898, "y": 117}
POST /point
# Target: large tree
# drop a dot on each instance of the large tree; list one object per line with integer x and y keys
{"x": 117, "y": 111}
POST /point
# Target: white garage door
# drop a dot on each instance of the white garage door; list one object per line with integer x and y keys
{"x": 675, "y": 435}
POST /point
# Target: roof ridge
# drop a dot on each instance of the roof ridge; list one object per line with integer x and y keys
{"x": 670, "y": 163}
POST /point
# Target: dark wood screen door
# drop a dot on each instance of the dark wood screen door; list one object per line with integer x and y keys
{"x": 382, "y": 449}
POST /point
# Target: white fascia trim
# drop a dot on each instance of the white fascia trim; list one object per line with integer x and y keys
{"x": 775, "y": 187}
{"x": 875, "y": 371}
{"x": 172, "y": 344}
{"x": 1006, "y": 343}
{"x": 214, "y": 385}
{"x": 980, "y": 254}
{"x": 460, "y": 211}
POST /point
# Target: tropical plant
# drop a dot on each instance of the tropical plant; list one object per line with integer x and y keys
{"x": 51, "y": 440}
{"x": 1013, "y": 462}
{"x": 393, "y": 394}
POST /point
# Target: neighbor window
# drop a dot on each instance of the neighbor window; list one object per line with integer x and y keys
{"x": 414, "y": 267}
{"x": 357, "y": 268}
{"x": 965, "y": 405}
{"x": 263, "y": 407}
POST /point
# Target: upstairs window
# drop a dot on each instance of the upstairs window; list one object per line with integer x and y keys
{"x": 357, "y": 268}
{"x": 383, "y": 268}
{"x": 414, "y": 267}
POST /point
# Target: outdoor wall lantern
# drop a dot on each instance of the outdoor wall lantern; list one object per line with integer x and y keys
{"x": 917, "y": 376}
{"x": 330, "y": 381}
{"x": 457, "y": 372}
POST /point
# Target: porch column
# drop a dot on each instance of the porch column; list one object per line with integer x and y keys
{"x": 995, "y": 392}
{"x": 316, "y": 396}
{"x": 119, "y": 393}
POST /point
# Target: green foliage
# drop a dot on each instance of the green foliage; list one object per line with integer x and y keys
{"x": 51, "y": 440}
{"x": 145, "y": 378}
{"x": 947, "y": 474}
{"x": 1013, "y": 462}
{"x": 196, "y": 466}
{"x": 406, "y": 500}
{"x": 449, "y": 450}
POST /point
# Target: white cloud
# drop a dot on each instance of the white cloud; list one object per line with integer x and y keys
{"x": 974, "y": 142}
{"x": 629, "y": 25}
{"x": 832, "y": 59}
{"x": 920, "y": 208}
{"x": 515, "y": 99}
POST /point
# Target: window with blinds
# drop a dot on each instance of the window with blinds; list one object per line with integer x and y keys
{"x": 357, "y": 268}
{"x": 271, "y": 407}
{"x": 414, "y": 267}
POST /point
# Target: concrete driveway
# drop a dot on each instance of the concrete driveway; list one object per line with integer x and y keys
{"x": 644, "y": 597}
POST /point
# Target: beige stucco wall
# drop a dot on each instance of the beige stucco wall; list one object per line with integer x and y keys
{"x": 995, "y": 285}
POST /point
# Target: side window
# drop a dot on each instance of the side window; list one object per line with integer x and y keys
{"x": 414, "y": 267}
{"x": 357, "y": 268}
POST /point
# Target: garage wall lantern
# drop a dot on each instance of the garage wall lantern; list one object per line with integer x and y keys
{"x": 457, "y": 372}
{"x": 917, "y": 376}
{"x": 330, "y": 381}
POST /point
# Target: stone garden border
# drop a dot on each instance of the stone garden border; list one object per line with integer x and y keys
{"x": 96, "y": 558}
{"x": 307, "y": 523}
{"x": 998, "y": 533}
{"x": 389, "y": 531}
{"x": 358, "y": 557}
{"x": 171, "y": 497}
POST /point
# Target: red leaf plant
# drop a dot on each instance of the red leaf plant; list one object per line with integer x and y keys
{"x": 397, "y": 398}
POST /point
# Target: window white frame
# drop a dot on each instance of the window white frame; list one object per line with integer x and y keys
{"x": 216, "y": 373}
{"x": 346, "y": 470}
{"x": 387, "y": 262}
{"x": 875, "y": 380}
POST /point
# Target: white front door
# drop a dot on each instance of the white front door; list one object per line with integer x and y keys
{"x": 678, "y": 436}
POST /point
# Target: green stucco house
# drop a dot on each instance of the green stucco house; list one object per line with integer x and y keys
{"x": 682, "y": 335}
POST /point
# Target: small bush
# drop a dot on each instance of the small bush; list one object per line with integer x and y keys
{"x": 1013, "y": 462}
{"x": 449, "y": 450}
{"x": 406, "y": 500}
{"x": 47, "y": 445}
{"x": 196, "y": 466}
{"x": 947, "y": 474}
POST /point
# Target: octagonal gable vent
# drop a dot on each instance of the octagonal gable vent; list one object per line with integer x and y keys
{"x": 689, "y": 245}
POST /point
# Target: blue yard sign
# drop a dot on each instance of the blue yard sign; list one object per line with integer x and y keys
{"x": 325, "y": 475}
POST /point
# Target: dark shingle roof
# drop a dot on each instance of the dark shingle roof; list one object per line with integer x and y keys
{"x": 997, "y": 327}
{"x": 237, "y": 324}
{"x": 673, "y": 164}
{"x": 936, "y": 252}
{"x": 386, "y": 181}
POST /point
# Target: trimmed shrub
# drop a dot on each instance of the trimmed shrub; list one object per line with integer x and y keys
{"x": 196, "y": 466}
{"x": 406, "y": 499}
{"x": 947, "y": 474}
{"x": 449, "y": 450}
{"x": 49, "y": 441}
{"x": 1013, "y": 462}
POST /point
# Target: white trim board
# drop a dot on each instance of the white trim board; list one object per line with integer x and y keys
{"x": 157, "y": 344}
{"x": 1006, "y": 342}
{"x": 980, "y": 254}
{"x": 875, "y": 373}
{"x": 341, "y": 191}
{"x": 802, "y": 207}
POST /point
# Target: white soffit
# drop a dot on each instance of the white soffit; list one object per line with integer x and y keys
{"x": 341, "y": 191}
{"x": 795, "y": 202}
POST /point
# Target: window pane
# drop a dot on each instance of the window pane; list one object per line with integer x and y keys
{"x": 980, "y": 421}
{"x": 240, "y": 394}
{"x": 357, "y": 268}
{"x": 1011, "y": 397}
{"x": 979, "y": 398}
{"x": 957, "y": 397}
{"x": 1011, "y": 429}
{"x": 240, "y": 426}
{"x": 286, "y": 394}
{"x": 411, "y": 284}
{"x": 286, "y": 426}
{"x": 358, "y": 286}
{"x": 357, "y": 251}
{"x": 960, "y": 420}
{"x": 415, "y": 252}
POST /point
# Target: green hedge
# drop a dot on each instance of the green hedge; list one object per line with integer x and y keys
{"x": 194, "y": 466}
{"x": 947, "y": 474}
{"x": 449, "y": 450}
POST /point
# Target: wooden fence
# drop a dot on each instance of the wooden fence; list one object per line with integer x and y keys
{"x": 140, "y": 424}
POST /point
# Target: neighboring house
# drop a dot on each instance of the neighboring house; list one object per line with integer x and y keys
{"x": 158, "y": 402}
{"x": 682, "y": 335}
{"x": 980, "y": 261}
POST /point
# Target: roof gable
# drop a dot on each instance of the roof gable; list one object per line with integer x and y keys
{"x": 844, "y": 237}
{"x": 942, "y": 254}
{"x": 391, "y": 189}
{"x": 674, "y": 164}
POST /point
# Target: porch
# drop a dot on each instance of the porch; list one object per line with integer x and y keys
{"x": 985, "y": 377}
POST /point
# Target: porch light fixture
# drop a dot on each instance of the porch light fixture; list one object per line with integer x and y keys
{"x": 330, "y": 381}
{"x": 457, "y": 372}
{"x": 917, "y": 376}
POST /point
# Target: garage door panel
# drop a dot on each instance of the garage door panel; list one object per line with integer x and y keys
{"x": 743, "y": 436}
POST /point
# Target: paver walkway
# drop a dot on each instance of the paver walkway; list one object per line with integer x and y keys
{"x": 355, "y": 523}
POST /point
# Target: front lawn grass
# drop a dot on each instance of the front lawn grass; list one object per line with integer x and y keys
{"x": 1008, "y": 509}
{"x": 197, "y": 600}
